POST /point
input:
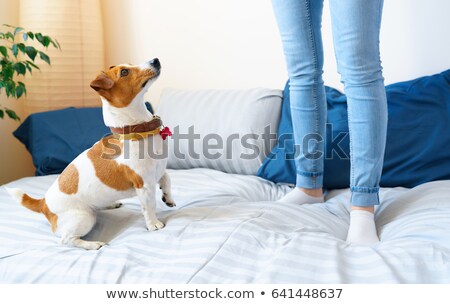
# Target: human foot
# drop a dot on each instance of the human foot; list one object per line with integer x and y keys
{"x": 362, "y": 229}
{"x": 303, "y": 196}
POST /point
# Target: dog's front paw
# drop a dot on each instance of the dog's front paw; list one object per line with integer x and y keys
{"x": 116, "y": 205}
{"x": 156, "y": 225}
{"x": 169, "y": 202}
{"x": 93, "y": 245}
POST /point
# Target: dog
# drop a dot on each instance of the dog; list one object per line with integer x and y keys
{"x": 107, "y": 172}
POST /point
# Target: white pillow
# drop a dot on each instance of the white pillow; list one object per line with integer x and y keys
{"x": 230, "y": 128}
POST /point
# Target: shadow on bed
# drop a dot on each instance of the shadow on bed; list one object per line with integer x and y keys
{"x": 112, "y": 223}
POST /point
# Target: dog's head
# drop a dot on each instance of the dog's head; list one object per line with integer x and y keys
{"x": 120, "y": 84}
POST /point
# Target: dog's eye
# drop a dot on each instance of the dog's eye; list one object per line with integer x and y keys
{"x": 124, "y": 73}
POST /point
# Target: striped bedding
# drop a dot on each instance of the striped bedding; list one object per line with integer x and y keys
{"x": 229, "y": 229}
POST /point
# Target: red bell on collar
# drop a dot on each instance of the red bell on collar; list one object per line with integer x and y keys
{"x": 165, "y": 132}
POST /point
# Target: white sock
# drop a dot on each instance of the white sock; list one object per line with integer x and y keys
{"x": 297, "y": 196}
{"x": 362, "y": 230}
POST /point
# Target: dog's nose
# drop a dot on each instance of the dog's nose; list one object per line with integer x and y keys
{"x": 155, "y": 63}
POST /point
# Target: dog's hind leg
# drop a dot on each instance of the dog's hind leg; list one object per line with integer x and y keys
{"x": 74, "y": 224}
{"x": 77, "y": 242}
{"x": 164, "y": 185}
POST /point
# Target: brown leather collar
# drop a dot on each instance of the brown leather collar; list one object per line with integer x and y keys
{"x": 139, "y": 128}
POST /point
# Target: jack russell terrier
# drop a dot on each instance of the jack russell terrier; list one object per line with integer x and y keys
{"x": 108, "y": 172}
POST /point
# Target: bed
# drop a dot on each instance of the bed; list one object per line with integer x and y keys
{"x": 228, "y": 228}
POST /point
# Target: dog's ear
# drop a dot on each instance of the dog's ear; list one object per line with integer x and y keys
{"x": 102, "y": 82}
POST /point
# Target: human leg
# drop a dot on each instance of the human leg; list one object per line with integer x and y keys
{"x": 356, "y": 28}
{"x": 299, "y": 22}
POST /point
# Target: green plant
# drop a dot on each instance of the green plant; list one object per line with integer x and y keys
{"x": 14, "y": 42}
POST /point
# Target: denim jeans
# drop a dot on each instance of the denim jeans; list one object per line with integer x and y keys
{"x": 356, "y": 29}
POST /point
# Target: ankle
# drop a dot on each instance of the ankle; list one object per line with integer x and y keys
{"x": 312, "y": 192}
{"x": 369, "y": 209}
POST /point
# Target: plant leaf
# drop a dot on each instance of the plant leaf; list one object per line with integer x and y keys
{"x": 31, "y": 35}
{"x": 19, "y": 91}
{"x": 10, "y": 88}
{"x": 21, "y": 84}
{"x": 27, "y": 66}
{"x": 25, "y": 36}
{"x": 46, "y": 41}
{"x": 44, "y": 57}
{"x": 55, "y": 43}
{"x": 15, "y": 50}
{"x": 17, "y": 30}
{"x": 12, "y": 114}
{"x": 20, "y": 68}
{"x": 39, "y": 38}
{"x": 8, "y": 72}
{"x": 33, "y": 65}
{"x": 9, "y": 35}
{"x": 2, "y": 114}
{"x": 21, "y": 47}
{"x": 4, "y": 51}
{"x": 31, "y": 52}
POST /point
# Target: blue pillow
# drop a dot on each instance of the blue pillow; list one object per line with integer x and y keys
{"x": 418, "y": 137}
{"x": 55, "y": 138}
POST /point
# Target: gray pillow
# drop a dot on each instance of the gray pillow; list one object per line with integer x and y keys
{"x": 227, "y": 130}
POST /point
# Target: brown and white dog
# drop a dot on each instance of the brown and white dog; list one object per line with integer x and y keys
{"x": 104, "y": 174}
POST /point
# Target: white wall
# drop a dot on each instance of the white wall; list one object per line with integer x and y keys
{"x": 15, "y": 161}
{"x": 414, "y": 40}
{"x": 201, "y": 43}
{"x": 235, "y": 43}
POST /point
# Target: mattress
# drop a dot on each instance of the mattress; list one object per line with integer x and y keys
{"x": 229, "y": 228}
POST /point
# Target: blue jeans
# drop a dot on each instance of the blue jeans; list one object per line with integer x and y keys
{"x": 356, "y": 28}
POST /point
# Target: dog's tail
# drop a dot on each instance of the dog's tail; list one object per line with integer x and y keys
{"x": 33, "y": 204}
{"x": 36, "y": 205}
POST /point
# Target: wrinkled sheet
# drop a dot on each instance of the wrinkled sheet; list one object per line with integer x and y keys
{"x": 229, "y": 228}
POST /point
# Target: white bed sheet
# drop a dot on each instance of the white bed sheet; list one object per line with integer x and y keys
{"x": 229, "y": 229}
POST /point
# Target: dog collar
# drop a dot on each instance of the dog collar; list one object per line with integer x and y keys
{"x": 142, "y": 130}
